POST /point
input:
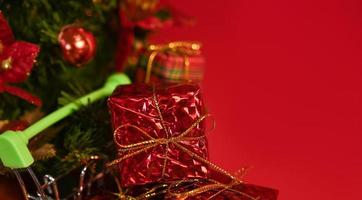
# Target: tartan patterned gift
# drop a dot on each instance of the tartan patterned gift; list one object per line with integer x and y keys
{"x": 172, "y": 62}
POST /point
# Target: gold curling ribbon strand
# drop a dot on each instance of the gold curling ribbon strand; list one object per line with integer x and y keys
{"x": 177, "y": 45}
{"x": 132, "y": 145}
{"x": 212, "y": 186}
{"x": 155, "y": 101}
{"x": 187, "y": 67}
{"x": 157, "y": 190}
{"x": 165, "y": 160}
{"x": 150, "y": 65}
{"x": 193, "y": 192}
{"x": 180, "y": 47}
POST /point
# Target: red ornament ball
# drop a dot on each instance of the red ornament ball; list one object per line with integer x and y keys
{"x": 78, "y": 45}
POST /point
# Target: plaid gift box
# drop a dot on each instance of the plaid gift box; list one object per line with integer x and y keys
{"x": 173, "y": 62}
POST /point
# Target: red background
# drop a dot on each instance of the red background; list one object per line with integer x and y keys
{"x": 284, "y": 83}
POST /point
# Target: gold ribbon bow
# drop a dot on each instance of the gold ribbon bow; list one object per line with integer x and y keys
{"x": 179, "y": 47}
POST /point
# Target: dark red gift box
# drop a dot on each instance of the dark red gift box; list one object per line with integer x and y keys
{"x": 199, "y": 189}
{"x": 159, "y": 132}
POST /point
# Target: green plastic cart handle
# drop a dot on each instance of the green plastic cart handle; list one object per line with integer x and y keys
{"x": 14, "y": 152}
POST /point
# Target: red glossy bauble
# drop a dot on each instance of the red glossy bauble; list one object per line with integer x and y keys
{"x": 78, "y": 45}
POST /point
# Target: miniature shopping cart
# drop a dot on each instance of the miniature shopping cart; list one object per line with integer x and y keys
{"x": 15, "y": 154}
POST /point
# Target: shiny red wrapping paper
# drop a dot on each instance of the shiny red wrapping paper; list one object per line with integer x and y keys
{"x": 199, "y": 190}
{"x": 180, "y": 106}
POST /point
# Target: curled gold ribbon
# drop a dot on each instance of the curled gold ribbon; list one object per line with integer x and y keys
{"x": 167, "y": 189}
{"x": 179, "y": 47}
{"x": 213, "y": 185}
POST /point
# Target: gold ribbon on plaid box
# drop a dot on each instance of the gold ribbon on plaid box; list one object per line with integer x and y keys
{"x": 185, "y": 49}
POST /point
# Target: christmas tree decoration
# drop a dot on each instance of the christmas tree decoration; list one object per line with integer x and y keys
{"x": 97, "y": 136}
{"x": 78, "y": 45}
{"x": 151, "y": 15}
{"x": 137, "y": 10}
{"x": 153, "y": 23}
{"x": 137, "y": 16}
{"x": 173, "y": 62}
{"x": 145, "y": 16}
{"x": 16, "y": 62}
{"x": 160, "y": 133}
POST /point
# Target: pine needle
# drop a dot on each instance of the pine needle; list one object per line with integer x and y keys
{"x": 45, "y": 152}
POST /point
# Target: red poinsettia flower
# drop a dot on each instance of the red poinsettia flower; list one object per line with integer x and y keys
{"x": 16, "y": 62}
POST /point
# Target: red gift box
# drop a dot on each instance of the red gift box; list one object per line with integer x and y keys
{"x": 159, "y": 132}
